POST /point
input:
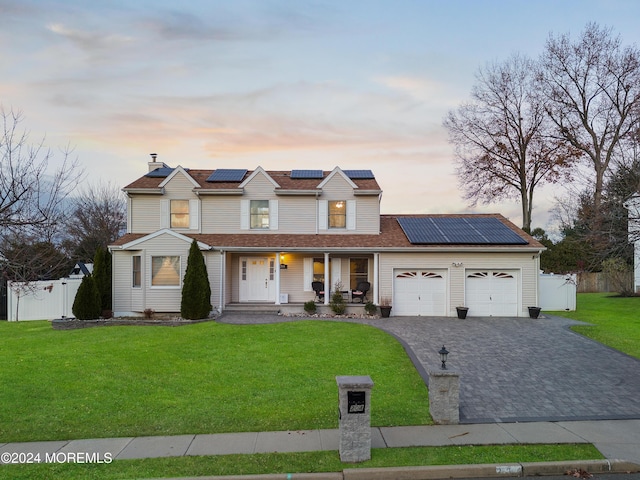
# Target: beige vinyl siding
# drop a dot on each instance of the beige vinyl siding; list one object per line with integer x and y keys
{"x": 367, "y": 213}
{"x": 125, "y": 298}
{"x": 145, "y": 213}
{"x": 297, "y": 215}
{"x": 522, "y": 263}
{"x": 213, "y": 262}
{"x": 292, "y": 279}
{"x": 145, "y": 209}
{"x": 221, "y": 214}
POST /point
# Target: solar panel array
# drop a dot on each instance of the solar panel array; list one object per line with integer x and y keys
{"x": 300, "y": 174}
{"x": 162, "y": 172}
{"x": 359, "y": 174}
{"x": 227, "y": 175}
{"x": 459, "y": 230}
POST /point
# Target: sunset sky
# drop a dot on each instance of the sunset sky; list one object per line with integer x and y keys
{"x": 280, "y": 84}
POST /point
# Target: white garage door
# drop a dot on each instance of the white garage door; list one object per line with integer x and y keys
{"x": 491, "y": 293}
{"x": 419, "y": 292}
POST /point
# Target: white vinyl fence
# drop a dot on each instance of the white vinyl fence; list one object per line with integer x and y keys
{"x": 558, "y": 292}
{"x": 45, "y": 301}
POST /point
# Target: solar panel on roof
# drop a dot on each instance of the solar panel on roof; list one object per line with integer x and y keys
{"x": 227, "y": 175}
{"x": 459, "y": 230}
{"x": 161, "y": 172}
{"x": 299, "y": 174}
{"x": 359, "y": 174}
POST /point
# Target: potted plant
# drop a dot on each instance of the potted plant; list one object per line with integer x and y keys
{"x": 534, "y": 312}
{"x": 462, "y": 312}
{"x": 385, "y": 307}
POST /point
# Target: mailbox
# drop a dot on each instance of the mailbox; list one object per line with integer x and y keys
{"x": 354, "y": 413}
{"x": 356, "y": 402}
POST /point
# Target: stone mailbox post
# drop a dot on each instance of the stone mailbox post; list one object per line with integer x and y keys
{"x": 354, "y": 394}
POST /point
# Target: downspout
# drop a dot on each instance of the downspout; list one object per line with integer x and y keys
{"x": 223, "y": 267}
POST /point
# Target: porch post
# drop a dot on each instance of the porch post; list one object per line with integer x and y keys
{"x": 223, "y": 268}
{"x": 376, "y": 277}
{"x": 327, "y": 279}
{"x": 276, "y": 265}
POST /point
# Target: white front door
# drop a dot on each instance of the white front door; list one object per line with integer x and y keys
{"x": 257, "y": 279}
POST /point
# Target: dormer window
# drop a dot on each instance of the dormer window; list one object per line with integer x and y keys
{"x": 338, "y": 214}
{"x": 179, "y": 213}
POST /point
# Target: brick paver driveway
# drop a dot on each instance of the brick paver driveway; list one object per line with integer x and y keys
{"x": 521, "y": 369}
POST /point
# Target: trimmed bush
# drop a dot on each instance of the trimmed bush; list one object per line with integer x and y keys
{"x": 370, "y": 308}
{"x": 102, "y": 277}
{"x": 310, "y": 307}
{"x": 196, "y": 290}
{"x": 86, "y": 305}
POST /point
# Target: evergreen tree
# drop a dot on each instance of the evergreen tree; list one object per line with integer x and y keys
{"x": 86, "y": 305}
{"x": 196, "y": 291}
{"x": 102, "y": 276}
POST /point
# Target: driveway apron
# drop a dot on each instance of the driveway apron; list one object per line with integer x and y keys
{"x": 522, "y": 369}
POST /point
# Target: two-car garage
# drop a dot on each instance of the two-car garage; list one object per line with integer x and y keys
{"x": 426, "y": 292}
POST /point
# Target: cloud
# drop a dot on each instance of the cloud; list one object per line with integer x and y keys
{"x": 90, "y": 40}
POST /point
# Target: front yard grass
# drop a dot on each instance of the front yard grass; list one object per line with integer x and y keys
{"x": 616, "y": 320}
{"x": 324, "y": 461}
{"x": 201, "y": 378}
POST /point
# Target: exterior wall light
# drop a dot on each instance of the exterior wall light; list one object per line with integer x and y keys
{"x": 443, "y": 357}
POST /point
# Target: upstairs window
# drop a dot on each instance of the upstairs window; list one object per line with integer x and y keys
{"x": 259, "y": 211}
{"x": 337, "y": 214}
{"x": 179, "y": 213}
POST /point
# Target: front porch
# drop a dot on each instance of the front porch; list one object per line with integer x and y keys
{"x": 297, "y": 308}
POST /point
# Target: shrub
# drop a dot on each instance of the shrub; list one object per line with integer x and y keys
{"x": 370, "y": 308}
{"x": 620, "y": 274}
{"x": 310, "y": 307}
{"x": 337, "y": 304}
{"x": 87, "y": 305}
{"x": 196, "y": 290}
{"x": 102, "y": 277}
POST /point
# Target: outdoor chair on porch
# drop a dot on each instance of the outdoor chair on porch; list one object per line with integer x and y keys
{"x": 360, "y": 291}
{"x": 318, "y": 287}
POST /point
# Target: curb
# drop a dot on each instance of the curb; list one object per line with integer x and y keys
{"x": 491, "y": 470}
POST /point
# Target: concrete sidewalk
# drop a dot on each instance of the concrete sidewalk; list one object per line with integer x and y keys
{"x": 616, "y": 439}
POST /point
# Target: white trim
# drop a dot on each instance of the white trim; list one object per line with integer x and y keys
{"x": 151, "y": 236}
{"x": 335, "y": 171}
{"x": 244, "y": 214}
{"x": 194, "y": 214}
{"x": 177, "y": 170}
{"x": 257, "y": 171}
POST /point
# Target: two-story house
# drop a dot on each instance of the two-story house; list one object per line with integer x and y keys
{"x": 266, "y": 236}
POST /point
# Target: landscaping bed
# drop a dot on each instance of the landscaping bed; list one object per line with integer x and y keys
{"x": 74, "y": 323}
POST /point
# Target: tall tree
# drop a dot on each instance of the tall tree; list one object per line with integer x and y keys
{"x": 501, "y": 140}
{"x": 592, "y": 86}
{"x": 196, "y": 290}
{"x": 102, "y": 277}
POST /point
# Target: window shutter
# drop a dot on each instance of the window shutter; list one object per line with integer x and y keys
{"x": 273, "y": 214}
{"x": 165, "y": 214}
{"x": 351, "y": 214}
{"x": 194, "y": 214}
{"x": 336, "y": 273}
{"x": 323, "y": 214}
{"x": 308, "y": 274}
{"x": 244, "y": 214}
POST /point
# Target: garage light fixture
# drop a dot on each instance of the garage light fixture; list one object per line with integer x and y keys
{"x": 443, "y": 357}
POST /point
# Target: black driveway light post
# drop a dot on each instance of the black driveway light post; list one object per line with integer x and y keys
{"x": 443, "y": 357}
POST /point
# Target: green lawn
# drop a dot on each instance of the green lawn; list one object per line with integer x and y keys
{"x": 325, "y": 461}
{"x": 616, "y": 320}
{"x": 202, "y": 378}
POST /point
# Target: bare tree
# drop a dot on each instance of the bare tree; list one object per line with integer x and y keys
{"x": 592, "y": 86}
{"x": 501, "y": 140}
{"x": 31, "y": 195}
{"x": 32, "y": 204}
{"x": 99, "y": 215}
